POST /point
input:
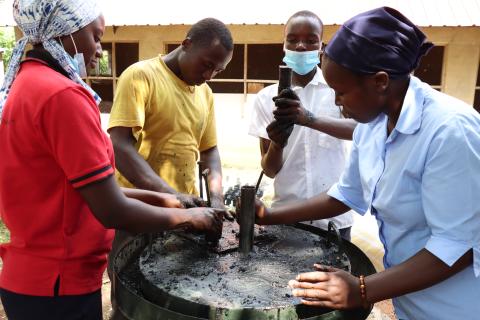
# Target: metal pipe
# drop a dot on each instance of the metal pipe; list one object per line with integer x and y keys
{"x": 200, "y": 171}
{"x": 247, "y": 218}
{"x": 285, "y": 82}
{"x": 211, "y": 238}
{"x": 284, "y": 78}
{"x": 258, "y": 182}
{"x": 205, "y": 174}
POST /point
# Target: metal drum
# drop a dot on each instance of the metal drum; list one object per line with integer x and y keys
{"x": 180, "y": 277}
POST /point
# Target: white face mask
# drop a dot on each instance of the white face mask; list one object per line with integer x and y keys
{"x": 78, "y": 61}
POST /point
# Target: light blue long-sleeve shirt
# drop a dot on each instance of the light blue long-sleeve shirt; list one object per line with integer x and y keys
{"x": 422, "y": 183}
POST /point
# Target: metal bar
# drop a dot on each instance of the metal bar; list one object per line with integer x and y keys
{"x": 245, "y": 75}
{"x": 200, "y": 170}
{"x": 99, "y": 78}
{"x": 284, "y": 78}
{"x": 212, "y": 239}
{"x": 258, "y": 182}
{"x": 241, "y": 80}
{"x": 207, "y": 186}
{"x": 226, "y": 80}
{"x": 114, "y": 67}
{"x": 247, "y": 218}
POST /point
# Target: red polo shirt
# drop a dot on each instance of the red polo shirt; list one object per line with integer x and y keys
{"x": 51, "y": 143}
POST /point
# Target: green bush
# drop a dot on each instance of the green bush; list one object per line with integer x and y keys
{"x": 7, "y": 42}
{"x": 4, "y": 233}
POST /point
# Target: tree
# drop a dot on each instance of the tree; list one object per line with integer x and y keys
{"x": 7, "y": 42}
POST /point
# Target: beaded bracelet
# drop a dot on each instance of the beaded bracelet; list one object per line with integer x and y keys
{"x": 363, "y": 292}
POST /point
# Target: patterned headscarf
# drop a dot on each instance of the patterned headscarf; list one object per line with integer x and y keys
{"x": 43, "y": 21}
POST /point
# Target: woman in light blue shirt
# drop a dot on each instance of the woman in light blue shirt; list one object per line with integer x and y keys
{"x": 415, "y": 164}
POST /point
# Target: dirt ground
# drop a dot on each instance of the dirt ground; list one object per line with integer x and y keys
{"x": 106, "y": 305}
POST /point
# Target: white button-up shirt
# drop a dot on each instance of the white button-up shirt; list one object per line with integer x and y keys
{"x": 312, "y": 160}
{"x": 422, "y": 182}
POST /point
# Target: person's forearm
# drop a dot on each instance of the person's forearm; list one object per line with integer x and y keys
{"x": 139, "y": 194}
{"x": 136, "y": 216}
{"x": 115, "y": 210}
{"x": 320, "y": 207}
{"x": 216, "y": 189}
{"x": 138, "y": 172}
{"x": 421, "y": 271}
{"x": 338, "y": 128}
{"x": 272, "y": 158}
{"x": 211, "y": 160}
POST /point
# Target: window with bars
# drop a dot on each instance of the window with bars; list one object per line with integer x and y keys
{"x": 255, "y": 66}
{"x": 430, "y": 69}
{"x": 117, "y": 56}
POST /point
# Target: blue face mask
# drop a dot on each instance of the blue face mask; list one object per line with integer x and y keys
{"x": 77, "y": 61}
{"x": 301, "y": 62}
{"x": 75, "y": 64}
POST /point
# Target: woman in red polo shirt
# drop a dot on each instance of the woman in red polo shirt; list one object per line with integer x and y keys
{"x": 58, "y": 195}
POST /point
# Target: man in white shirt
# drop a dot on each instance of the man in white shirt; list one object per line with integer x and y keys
{"x": 310, "y": 159}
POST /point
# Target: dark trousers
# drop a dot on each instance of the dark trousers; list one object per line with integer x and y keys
{"x": 78, "y": 307}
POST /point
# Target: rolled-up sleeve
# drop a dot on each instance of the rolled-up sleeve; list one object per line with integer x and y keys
{"x": 349, "y": 188}
{"x": 450, "y": 189}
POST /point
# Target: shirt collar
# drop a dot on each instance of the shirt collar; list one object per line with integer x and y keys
{"x": 318, "y": 78}
{"x": 410, "y": 118}
{"x": 43, "y": 56}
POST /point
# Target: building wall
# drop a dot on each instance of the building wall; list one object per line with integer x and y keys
{"x": 462, "y": 56}
{"x": 462, "y": 47}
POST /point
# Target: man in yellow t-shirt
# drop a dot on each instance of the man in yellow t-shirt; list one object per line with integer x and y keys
{"x": 162, "y": 120}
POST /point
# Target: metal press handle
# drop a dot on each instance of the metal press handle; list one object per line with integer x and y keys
{"x": 333, "y": 236}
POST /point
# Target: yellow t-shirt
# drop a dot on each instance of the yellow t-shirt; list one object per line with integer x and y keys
{"x": 171, "y": 121}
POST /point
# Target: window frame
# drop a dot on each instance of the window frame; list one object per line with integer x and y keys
{"x": 245, "y": 80}
{"x": 114, "y": 77}
{"x": 477, "y": 89}
{"x": 440, "y": 87}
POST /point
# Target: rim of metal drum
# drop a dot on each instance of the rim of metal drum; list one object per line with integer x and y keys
{"x": 134, "y": 306}
{"x": 130, "y": 304}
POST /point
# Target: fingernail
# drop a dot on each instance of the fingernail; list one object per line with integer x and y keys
{"x": 319, "y": 266}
